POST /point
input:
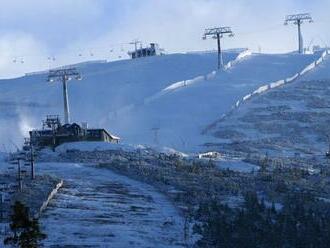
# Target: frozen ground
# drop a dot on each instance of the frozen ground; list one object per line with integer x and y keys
{"x": 104, "y": 146}
{"x": 140, "y": 100}
{"x": 2, "y": 162}
{"x": 237, "y": 165}
{"x": 97, "y": 146}
{"x": 138, "y": 151}
{"x": 97, "y": 208}
{"x": 292, "y": 120}
{"x": 33, "y": 195}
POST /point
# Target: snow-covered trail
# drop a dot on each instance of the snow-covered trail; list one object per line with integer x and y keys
{"x": 98, "y": 208}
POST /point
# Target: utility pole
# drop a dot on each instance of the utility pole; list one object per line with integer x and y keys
{"x": 32, "y": 162}
{"x": 19, "y": 174}
{"x": 298, "y": 20}
{"x": 218, "y": 33}
{"x": 64, "y": 75}
{"x": 30, "y": 156}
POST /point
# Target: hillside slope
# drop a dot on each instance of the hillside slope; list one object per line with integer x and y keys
{"x": 120, "y": 96}
{"x": 105, "y": 87}
{"x": 181, "y": 114}
{"x": 292, "y": 120}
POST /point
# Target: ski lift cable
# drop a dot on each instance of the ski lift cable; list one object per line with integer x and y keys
{"x": 80, "y": 52}
{"x": 74, "y": 52}
{"x": 265, "y": 30}
{"x": 105, "y": 49}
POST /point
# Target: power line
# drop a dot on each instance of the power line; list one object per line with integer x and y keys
{"x": 117, "y": 48}
{"x": 265, "y": 30}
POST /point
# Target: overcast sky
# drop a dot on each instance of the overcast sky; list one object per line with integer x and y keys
{"x": 72, "y": 30}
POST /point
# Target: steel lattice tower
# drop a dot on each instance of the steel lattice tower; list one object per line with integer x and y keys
{"x": 298, "y": 20}
{"x": 218, "y": 33}
{"x": 64, "y": 75}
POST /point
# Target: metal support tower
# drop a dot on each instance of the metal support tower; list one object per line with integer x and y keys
{"x": 32, "y": 162}
{"x": 64, "y": 75}
{"x": 218, "y": 33}
{"x": 298, "y": 20}
{"x": 135, "y": 43}
{"x": 19, "y": 175}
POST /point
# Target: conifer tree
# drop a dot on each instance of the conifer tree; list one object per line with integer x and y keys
{"x": 26, "y": 232}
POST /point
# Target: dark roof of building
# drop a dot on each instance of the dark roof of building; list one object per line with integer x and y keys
{"x": 48, "y": 132}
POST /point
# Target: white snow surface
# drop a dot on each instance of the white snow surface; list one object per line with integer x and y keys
{"x": 98, "y": 208}
{"x": 289, "y": 121}
{"x": 97, "y": 146}
{"x": 129, "y": 98}
{"x": 237, "y": 165}
{"x": 182, "y": 114}
{"x": 105, "y": 146}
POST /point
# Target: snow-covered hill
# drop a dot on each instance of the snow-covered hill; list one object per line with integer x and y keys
{"x": 134, "y": 98}
{"x": 182, "y": 114}
{"x": 292, "y": 120}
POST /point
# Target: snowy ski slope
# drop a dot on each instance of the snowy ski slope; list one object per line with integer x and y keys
{"x": 290, "y": 120}
{"x": 106, "y": 87}
{"x": 134, "y": 98}
{"x": 182, "y": 114}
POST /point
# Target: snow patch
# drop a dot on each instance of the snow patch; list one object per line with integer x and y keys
{"x": 291, "y": 79}
{"x": 261, "y": 90}
{"x": 281, "y": 82}
{"x": 97, "y": 146}
{"x": 105, "y": 146}
{"x": 237, "y": 165}
{"x": 209, "y": 76}
{"x": 276, "y": 84}
{"x": 247, "y": 97}
{"x": 170, "y": 151}
{"x": 241, "y": 56}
